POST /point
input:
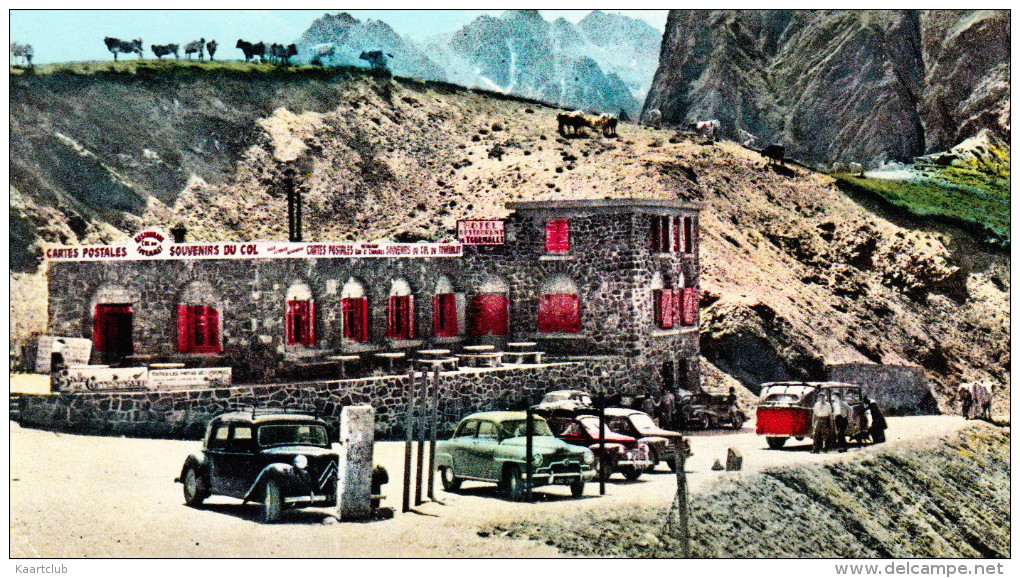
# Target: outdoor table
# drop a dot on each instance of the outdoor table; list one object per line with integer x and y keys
{"x": 343, "y": 360}
{"x": 481, "y": 359}
{"x": 390, "y": 356}
{"x": 479, "y": 348}
{"x": 520, "y": 357}
{"x": 521, "y": 345}
{"x": 433, "y": 353}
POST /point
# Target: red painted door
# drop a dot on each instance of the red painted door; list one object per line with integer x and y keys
{"x": 487, "y": 315}
{"x": 112, "y": 330}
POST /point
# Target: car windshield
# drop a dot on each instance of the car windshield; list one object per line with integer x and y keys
{"x": 642, "y": 422}
{"x": 290, "y": 434}
{"x": 583, "y": 399}
{"x": 517, "y": 428}
{"x": 551, "y": 397}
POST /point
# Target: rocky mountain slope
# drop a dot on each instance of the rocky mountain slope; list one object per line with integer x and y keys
{"x": 603, "y": 63}
{"x": 849, "y": 86}
{"x": 797, "y": 274}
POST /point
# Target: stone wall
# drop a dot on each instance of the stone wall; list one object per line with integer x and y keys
{"x": 898, "y": 389}
{"x": 183, "y": 414}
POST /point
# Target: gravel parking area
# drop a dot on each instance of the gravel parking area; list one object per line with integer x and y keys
{"x": 85, "y": 496}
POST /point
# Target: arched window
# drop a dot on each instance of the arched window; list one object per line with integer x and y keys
{"x": 112, "y": 322}
{"x": 400, "y": 311}
{"x": 299, "y": 320}
{"x": 559, "y": 309}
{"x": 198, "y": 319}
{"x": 354, "y": 309}
{"x": 488, "y": 309}
{"x": 444, "y": 310}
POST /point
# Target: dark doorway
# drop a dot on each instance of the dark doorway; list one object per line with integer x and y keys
{"x": 111, "y": 335}
{"x": 668, "y": 382}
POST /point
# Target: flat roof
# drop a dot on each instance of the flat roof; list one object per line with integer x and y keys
{"x": 602, "y": 203}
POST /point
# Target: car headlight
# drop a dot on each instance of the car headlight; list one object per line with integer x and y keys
{"x": 300, "y": 462}
{"x": 536, "y": 460}
{"x": 588, "y": 457}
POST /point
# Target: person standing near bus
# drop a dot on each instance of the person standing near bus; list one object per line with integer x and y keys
{"x": 821, "y": 423}
{"x": 840, "y": 418}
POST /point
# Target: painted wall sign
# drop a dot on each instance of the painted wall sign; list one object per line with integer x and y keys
{"x": 145, "y": 245}
{"x": 192, "y": 378}
{"x": 75, "y": 351}
{"x": 480, "y": 231}
{"x": 101, "y": 378}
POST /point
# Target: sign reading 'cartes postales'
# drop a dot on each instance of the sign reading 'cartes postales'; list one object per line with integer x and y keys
{"x": 480, "y": 232}
{"x": 152, "y": 244}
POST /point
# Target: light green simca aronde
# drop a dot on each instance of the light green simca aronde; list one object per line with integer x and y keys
{"x": 491, "y": 447}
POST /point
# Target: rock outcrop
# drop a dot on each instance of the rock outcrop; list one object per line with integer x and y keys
{"x": 838, "y": 86}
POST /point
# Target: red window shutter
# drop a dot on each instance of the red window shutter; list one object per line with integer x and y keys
{"x": 213, "y": 330}
{"x": 391, "y": 317}
{"x": 488, "y": 315}
{"x": 437, "y": 317}
{"x": 362, "y": 334}
{"x": 664, "y": 313}
{"x": 557, "y": 236}
{"x": 676, "y": 234}
{"x": 289, "y": 325}
{"x": 444, "y": 315}
{"x": 310, "y": 324}
{"x": 99, "y": 328}
{"x": 408, "y": 324}
{"x": 559, "y": 313}
{"x": 184, "y": 328}
{"x": 690, "y": 306}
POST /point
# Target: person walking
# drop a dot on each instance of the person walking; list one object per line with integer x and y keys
{"x": 821, "y": 423}
{"x": 840, "y": 418}
{"x": 666, "y": 409}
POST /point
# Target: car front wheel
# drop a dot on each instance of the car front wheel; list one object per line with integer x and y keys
{"x": 273, "y": 503}
{"x": 514, "y": 483}
{"x": 451, "y": 483}
{"x": 195, "y": 491}
{"x": 775, "y": 442}
{"x": 632, "y": 473}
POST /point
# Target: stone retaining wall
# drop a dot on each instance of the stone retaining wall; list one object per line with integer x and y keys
{"x": 183, "y": 414}
{"x": 898, "y": 389}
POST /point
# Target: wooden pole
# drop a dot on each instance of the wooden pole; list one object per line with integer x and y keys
{"x": 408, "y": 424}
{"x": 420, "y": 431}
{"x": 528, "y": 451}
{"x": 602, "y": 444}
{"x": 432, "y": 434}
{"x": 683, "y": 509}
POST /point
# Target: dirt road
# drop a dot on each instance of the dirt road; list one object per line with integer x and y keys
{"x": 84, "y": 496}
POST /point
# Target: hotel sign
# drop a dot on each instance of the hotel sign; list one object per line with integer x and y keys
{"x": 480, "y": 232}
{"x": 147, "y": 247}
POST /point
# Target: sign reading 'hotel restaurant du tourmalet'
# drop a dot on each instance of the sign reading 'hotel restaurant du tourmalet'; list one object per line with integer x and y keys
{"x": 155, "y": 244}
{"x": 480, "y": 231}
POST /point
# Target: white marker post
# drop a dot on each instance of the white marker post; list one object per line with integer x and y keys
{"x": 354, "y": 487}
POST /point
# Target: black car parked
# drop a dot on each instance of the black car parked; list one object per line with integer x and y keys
{"x": 283, "y": 460}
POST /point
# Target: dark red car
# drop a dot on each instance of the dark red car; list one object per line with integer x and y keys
{"x": 622, "y": 453}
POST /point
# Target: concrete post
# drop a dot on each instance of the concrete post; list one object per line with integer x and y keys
{"x": 354, "y": 488}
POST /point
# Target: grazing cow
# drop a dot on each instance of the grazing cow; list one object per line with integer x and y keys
{"x": 281, "y": 54}
{"x": 976, "y": 395}
{"x": 252, "y": 50}
{"x": 210, "y": 47}
{"x": 161, "y": 50}
{"x": 706, "y": 128}
{"x": 118, "y": 46}
{"x": 322, "y": 51}
{"x": 653, "y": 118}
{"x": 24, "y": 51}
{"x": 606, "y": 123}
{"x": 193, "y": 47}
{"x": 775, "y": 153}
{"x": 376, "y": 59}
{"x": 857, "y": 169}
{"x": 575, "y": 120}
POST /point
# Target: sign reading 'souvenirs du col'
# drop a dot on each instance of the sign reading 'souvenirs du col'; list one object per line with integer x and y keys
{"x": 480, "y": 231}
{"x": 156, "y": 244}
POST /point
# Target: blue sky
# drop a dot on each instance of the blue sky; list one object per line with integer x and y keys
{"x": 66, "y": 35}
